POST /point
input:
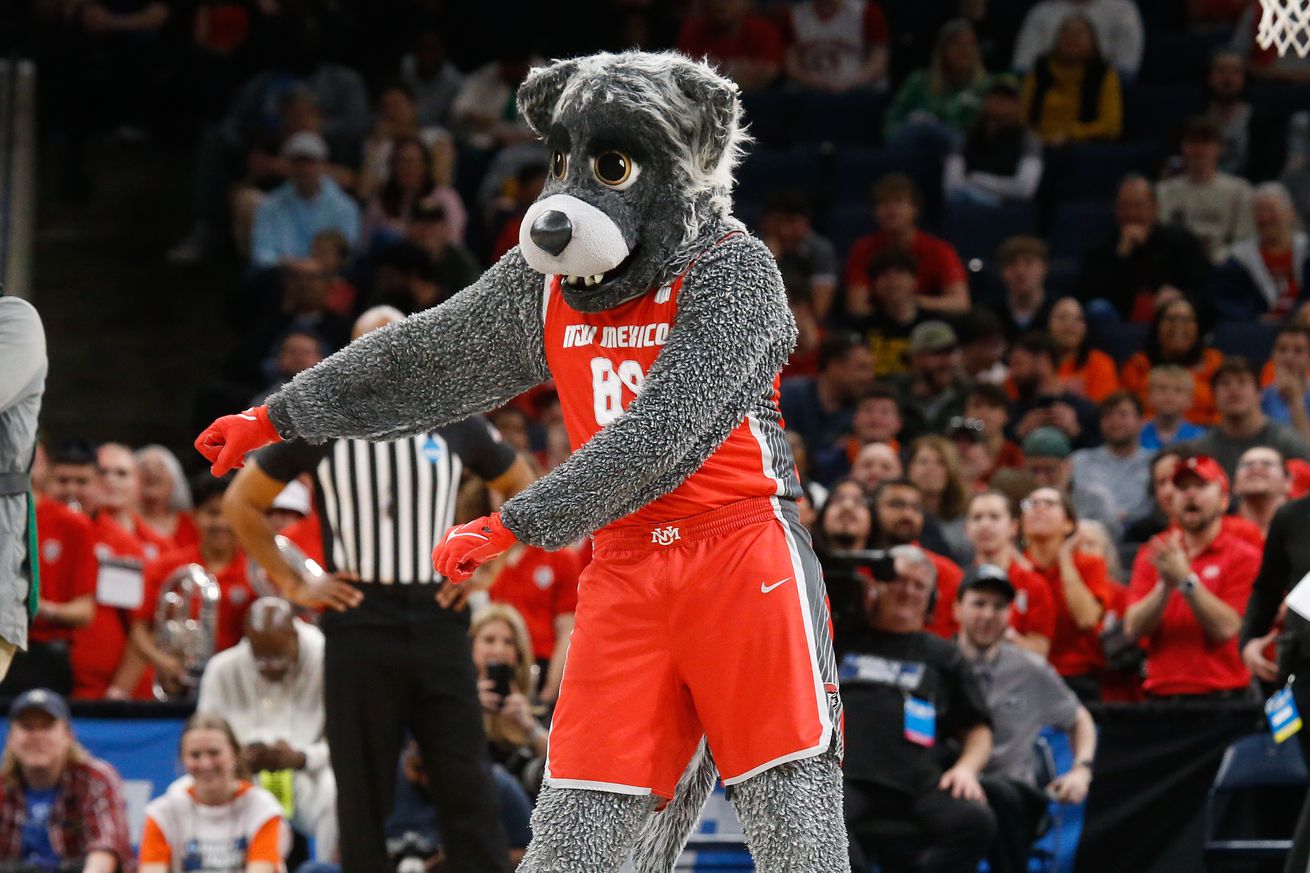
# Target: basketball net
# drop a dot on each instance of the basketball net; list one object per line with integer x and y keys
{"x": 1285, "y": 24}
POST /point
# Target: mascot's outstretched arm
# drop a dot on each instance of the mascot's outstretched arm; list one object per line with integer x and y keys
{"x": 733, "y": 332}
{"x": 468, "y": 355}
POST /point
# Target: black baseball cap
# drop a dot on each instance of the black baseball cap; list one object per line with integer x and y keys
{"x": 987, "y": 577}
{"x": 43, "y": 699}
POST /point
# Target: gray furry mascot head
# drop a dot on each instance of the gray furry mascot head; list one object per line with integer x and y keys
{"x": 643, "y": 146}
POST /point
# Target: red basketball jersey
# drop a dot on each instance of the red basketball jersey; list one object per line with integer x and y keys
{"x": 599, "y": 360}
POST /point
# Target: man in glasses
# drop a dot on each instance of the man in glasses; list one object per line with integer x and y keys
{"x": 269, "y": 687}
{"x": 1261, "y": 486}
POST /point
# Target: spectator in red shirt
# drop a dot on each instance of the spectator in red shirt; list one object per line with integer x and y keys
{"x": 943, "y": 283}
{"x": 218, "y": 553}
{"x": 46, "y": 771}
{"x": 66, "y": 543}
{"x": 165, "y": 496}
{"x": 1189, "y": 588}
{"x": 991, "y": 527}
{"x": 746, "y": 47}
{"x": 543, "y": 587}
{"x": 898, "y": 520}
{"x": 1079, "y": 586}
{"x": 118, "y": 494}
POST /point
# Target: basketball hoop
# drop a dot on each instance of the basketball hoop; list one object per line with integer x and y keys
{"x": 1285, "y": 24}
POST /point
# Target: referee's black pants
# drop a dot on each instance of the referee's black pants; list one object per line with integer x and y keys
{"x": 399, "y": 661}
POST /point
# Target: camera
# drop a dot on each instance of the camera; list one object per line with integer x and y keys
{"x": 879, "y": 562}
{"x": 846, "y": 585}
{"x": 501, "y": 676}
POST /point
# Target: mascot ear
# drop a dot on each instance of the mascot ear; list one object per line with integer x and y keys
{"x": 540, "y": 92}
{"x": 719, "y": 103}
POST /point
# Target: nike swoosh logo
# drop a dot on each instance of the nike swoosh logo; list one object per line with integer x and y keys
{"x": 765, "y": 589}
{"x": 468, "y": 534}
{"x": 246, "y": 417}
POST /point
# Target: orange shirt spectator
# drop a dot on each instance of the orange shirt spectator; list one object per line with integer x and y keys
{"x": 1095, "y": 379}
{"x": 1175, "y": 338}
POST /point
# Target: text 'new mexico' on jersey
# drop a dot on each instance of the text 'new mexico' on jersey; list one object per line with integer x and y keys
{"x": 599, "y": 361}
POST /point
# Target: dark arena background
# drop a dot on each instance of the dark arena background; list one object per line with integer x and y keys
{"x": 1049, "y": 268}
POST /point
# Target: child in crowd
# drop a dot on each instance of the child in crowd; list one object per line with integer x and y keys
{"x": 1169, "y": 390}
{"x": 331, "y": 249}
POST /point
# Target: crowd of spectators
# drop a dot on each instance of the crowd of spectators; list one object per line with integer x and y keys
{"x": 1054, "y": 354}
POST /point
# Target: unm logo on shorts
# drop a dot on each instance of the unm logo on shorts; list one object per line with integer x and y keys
{"x": 665, "y": 536}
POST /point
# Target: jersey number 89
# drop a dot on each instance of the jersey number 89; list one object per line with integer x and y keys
{"x": 607, "y": 384}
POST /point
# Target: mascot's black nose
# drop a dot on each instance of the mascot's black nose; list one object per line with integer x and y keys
{"x": 552, "y": 231}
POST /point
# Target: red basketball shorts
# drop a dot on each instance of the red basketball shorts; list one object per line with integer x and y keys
{"x": 714, "y": 625}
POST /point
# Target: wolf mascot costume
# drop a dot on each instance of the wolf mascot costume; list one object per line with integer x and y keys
{"x": 664, "y": 326}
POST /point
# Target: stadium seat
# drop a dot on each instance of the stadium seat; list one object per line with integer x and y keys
{"x": 766, "y": 118}
{"x": 1157, "y": 112}
{"x": 1178, "y": 58}
{"x": 1280, "y": 98}
{"x": 846, "y": 224}
{"x": 977, "y": 231}
{"x": 856, "y": 168}
{"x": 851, "y": 118}
{"x": 1252, "y": 340}
{"x": 1093, "y": 170}
{"x": 1076, "y": 226}
{"x": 1255, "y": 768}
{"x": 1118, "y": 340}
{"x": 766, "y": 169}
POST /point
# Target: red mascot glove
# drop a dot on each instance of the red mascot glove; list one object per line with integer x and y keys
{"x": 465, "y": 548}
{"x": 226, "y": 441}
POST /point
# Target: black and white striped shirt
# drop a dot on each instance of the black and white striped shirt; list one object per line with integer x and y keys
{"x": 383, "y": 506}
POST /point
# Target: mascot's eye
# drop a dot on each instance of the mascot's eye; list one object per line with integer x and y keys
{"x": 616, "y": 169}
{"x": 559, "y": 165}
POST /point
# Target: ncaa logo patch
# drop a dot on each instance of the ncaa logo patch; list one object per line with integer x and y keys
{"x": 544, "y": 577}
{"x": 432, "y": 450}
{"x": 51, "y": 550}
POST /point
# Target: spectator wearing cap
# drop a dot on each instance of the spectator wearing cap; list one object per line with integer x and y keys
{"x": 1169, "y": 391}
{"x": 291, "y": 505}
{"x": 60, "y": 808}
{"x": 992, "y": 529}
{"x": 820, "y": 407}
{"x": 1047, "y": 457}
{"x": 1071, "y": 94}
{"x": 804, "y": 258}
{"x": 1024, "y": 694}
{"x": 1142, "y": 260}
{"x": 1265, "y": 276}
{"x": 906, "y": 693}
{"x": 1261, "y": 486}
{"x": 1040, "y": 398}
{"x": 1213, "y": 205}
{"x": 990, "y": 405}
{"x": 876, "y": 419}
{"x": 1084, "y": 370}
{"x": 932, "y": 390}
{"x": 1024, "y": 262}
{"x": 269, "y": 688}
{"x": 896, "y": 312}
{"x": 1176, "y": 338}
{"x": 308, "y": 203}
{"x": 943, "y": 283}
{"x": 1286, "y": 400}
{"x": 1119, "y": 466}
{"x": 1242, "y": 425}
{"x": 1188, "y": 590}
{"x": 999, "y": 160}
{"x": 1079, "y": 584}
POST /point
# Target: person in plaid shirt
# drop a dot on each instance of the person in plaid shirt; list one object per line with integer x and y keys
{"x": 59, "y": 807}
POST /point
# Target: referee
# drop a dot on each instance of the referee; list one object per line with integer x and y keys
{"x": 1285, "y": 562}
{"x": 397, "y": 654}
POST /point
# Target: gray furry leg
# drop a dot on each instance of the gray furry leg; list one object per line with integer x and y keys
{"x": 665, "y": 835}
{"x": 575, "y": 830}
{"x": 792, "y": 817}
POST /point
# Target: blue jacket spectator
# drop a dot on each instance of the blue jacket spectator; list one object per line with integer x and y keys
{"x": 308, "y": 203}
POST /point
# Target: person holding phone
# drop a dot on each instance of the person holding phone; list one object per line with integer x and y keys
{"x": 502, "y": 656}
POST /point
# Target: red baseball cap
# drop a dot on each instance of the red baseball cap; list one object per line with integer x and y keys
{"x": 1204, "y": 467}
